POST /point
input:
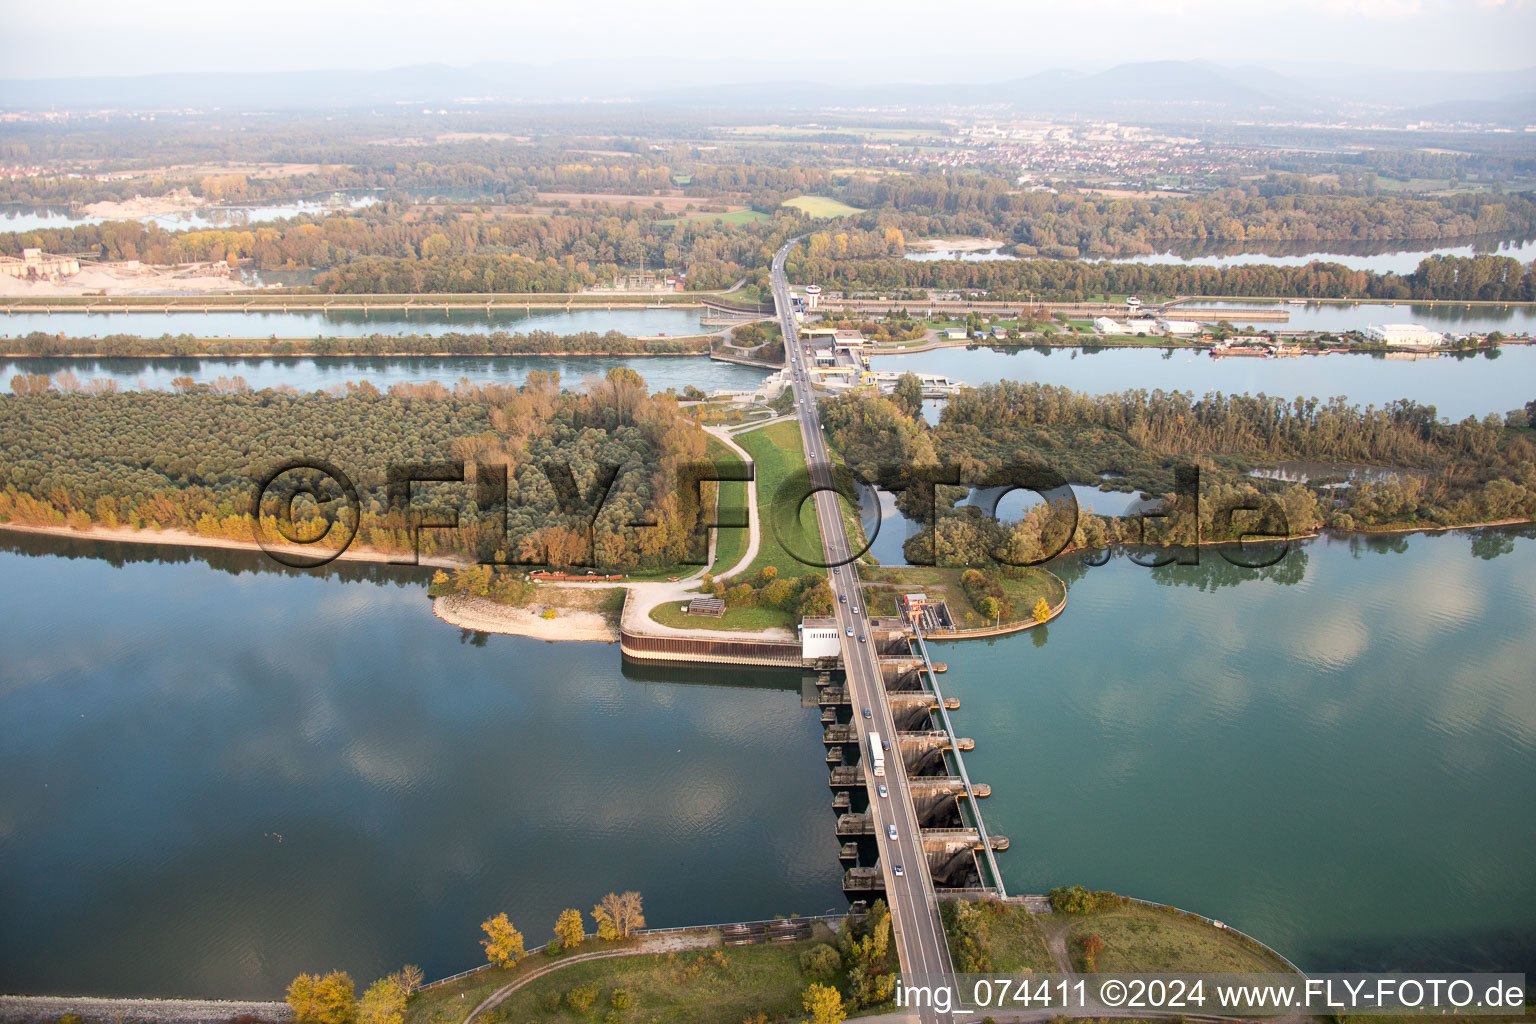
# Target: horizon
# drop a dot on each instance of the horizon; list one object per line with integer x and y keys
{"x": 1424, "y": 36}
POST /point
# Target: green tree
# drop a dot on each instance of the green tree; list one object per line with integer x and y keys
{"x": 820, "y": 961}
{"x": 908, "y": 395}
{"x": 504, "y": 943}
{"x": 823, "y": 1005}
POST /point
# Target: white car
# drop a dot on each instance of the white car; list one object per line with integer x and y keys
{"x": 890, "y": 831}
{"x": 883, "y": 791}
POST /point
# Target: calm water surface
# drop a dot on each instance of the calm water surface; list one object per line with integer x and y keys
{"x": 1381, "y": 257}
{"x": 355, "y": 323}
{"x": 32, "y": 218}
{"x": 213, "y": 778}
{"x": 1457, "y": 386}
{"x": 1338, "y": 758}
{"x": 660, "y": 372}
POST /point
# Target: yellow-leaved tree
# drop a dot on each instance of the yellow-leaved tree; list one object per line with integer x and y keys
{"x": 1042, "y": 610}
{"x": 569, "y": 929}
{"x": 823, "y": 1005}
{"x": 328, "y": 999}
{"x": 504, "y": 943}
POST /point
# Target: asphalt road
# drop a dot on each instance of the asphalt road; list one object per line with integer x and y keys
{"x": 916, "y": 928}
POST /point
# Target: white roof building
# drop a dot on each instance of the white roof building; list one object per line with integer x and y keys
{"x": 1404, "y": 334}
{"x": 819, "y": 639}
{"x": 1179, "y": 326}
{"x": 1104, "y": 325}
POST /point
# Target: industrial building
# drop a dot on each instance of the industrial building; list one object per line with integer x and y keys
{"x": 819, "y": 638}
{"x": 1414, "y": 335}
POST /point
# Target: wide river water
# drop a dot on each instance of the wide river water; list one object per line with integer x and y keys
{"x": 356, "y": 323}
{"x": 306, "y": 374}
{"x": 213, "y": 777}
{"x": 1472, "y": 384}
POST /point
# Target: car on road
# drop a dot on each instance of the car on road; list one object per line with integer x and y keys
{"x": 890, "y": 831}
{"x": 882, "y": 791}
{"x": 850, "y": 632}
{"x": 899, "y": 871}
{"x": 855, "y": 609}
{"x": 836, "y": 570}
{"x": 885, "y": 744}
{"x": 842, "y": 598}
{"x": 867, "y": 713}
{"x": 861, "y": 639}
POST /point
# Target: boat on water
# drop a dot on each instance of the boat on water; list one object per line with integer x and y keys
{"x": 1253, "y": 351}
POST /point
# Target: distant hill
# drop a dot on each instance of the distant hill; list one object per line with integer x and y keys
{"x": 1165, "y": 88}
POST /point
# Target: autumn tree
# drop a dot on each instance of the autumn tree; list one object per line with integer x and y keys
{"x": 383, "y": 1002}
{"x": 823, "y": 1005}
{"x": 504, "y": 943}
{"x": 569, "y": 930}
{"x": 328, "y": 999}
{"x": 619, "y": 917}
{"x": 1042, "y": 610}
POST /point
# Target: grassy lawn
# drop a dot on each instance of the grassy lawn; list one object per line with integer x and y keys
{"x": 1140, "y": 939}
{"x": 1014, "y": 940}
{"x": 945, "y": 583}
{"x": 778, "y": 452}
{"x": 822, "y": 207}
{"x": 451, "y": 1003}
{"x": 691, "y": 986}
{"x": 745, "y": 619}
{"x": 730, "y": 544}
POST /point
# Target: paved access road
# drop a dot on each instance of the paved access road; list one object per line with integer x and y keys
{"x": 917, "y": 930}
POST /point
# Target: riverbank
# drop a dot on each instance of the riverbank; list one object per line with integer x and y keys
{"x": 101, "y": 1010}
{"x": 566, "y": 624}
{"x": 183, "y": 538}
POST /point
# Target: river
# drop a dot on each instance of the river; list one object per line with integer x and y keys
{"x": 20, "y": 217}
{"x": 213, "y": 778}
{"x": 1338, "y": 759}
{"x": 308, "y": 374}
{"x": 1472, "y": 384}
{"x": 1378, "y": 257}
{"x": 356, "y": 323}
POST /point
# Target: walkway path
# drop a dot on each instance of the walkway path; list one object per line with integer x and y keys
{"x": 646, "y": 595}
{"x": 648, "y": 945}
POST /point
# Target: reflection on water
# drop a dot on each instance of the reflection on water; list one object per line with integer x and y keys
{"x": 1456, "y": 387}
{"x": 306, "y": 374}
{"x": 1339, "y": 766}
{"x": 212, "y": 780}
{"x": 33, "y": 218}
{"x": 355, "y": 323}
{"x": 1455, "y": 317}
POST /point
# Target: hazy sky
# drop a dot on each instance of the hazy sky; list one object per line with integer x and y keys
{"x": 879, "y": 40}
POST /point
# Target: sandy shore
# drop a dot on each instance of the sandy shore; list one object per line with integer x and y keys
{"x": 143, "y": 206}
{"x": 181, "y": 538}
{"x": 490, "y": 617}
{"x": 104, "y": 280}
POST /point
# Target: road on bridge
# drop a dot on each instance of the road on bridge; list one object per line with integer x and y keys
{"x": 916, "y": 927}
